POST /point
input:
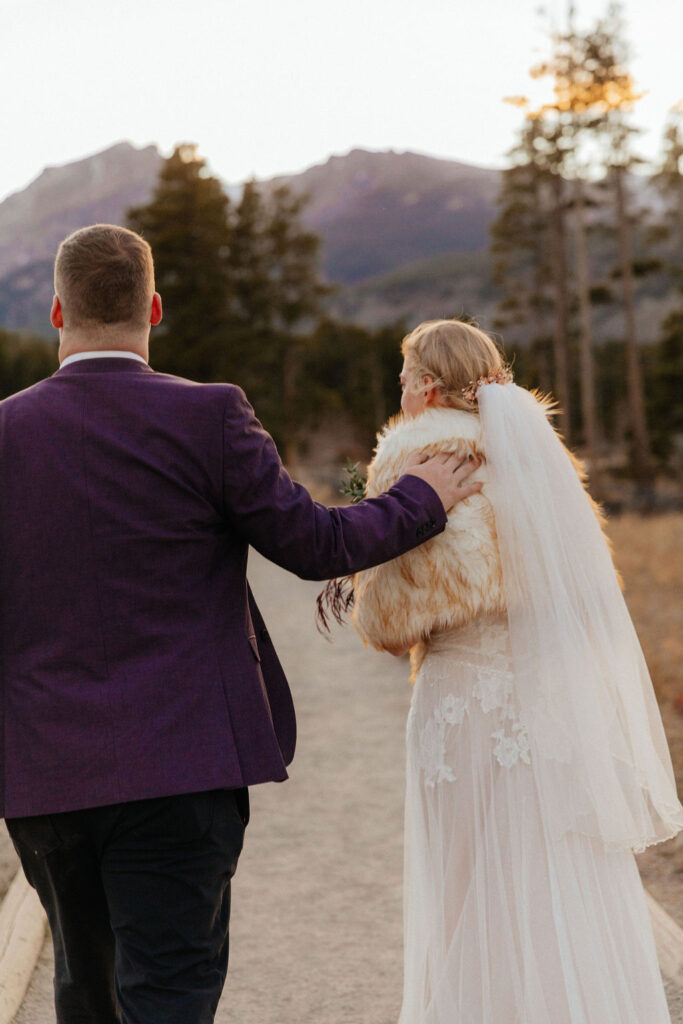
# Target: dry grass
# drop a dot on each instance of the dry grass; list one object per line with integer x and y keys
{"x": 649, "y": 554}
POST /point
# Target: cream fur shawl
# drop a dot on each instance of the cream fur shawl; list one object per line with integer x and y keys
{"x": 452, "y": 578}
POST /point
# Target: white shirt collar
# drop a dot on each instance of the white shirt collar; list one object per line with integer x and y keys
{"x": 102, "y": 354}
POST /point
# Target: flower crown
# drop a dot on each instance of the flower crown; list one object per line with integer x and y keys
{"x": 470, "y": 392}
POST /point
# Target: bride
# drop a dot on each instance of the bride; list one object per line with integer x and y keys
{"x": 536, "y": 758}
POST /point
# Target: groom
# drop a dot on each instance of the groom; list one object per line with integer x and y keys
{"x": 140, "y": 692}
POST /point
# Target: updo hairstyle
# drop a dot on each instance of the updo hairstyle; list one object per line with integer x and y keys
{"x": 452, "y": 354}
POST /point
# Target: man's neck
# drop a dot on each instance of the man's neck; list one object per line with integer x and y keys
{"x": 115, "y": 354}
{"x": 102, "y": 340}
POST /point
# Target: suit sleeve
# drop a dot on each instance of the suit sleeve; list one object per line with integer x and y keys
{"x": 279, "y": 518}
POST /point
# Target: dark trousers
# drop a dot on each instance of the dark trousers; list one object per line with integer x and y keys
{"x": 138, "y": 900}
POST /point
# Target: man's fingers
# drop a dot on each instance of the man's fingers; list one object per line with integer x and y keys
{"x": 416, "y": 459}
{"x": 449, "y": 460}
{"x": 461, "y": 467}
{"x": 447, "y": 473}
{"x": 470, "y": 489}
{"x": 463, "y": 470}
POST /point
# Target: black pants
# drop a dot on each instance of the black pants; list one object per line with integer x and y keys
{"x": 138, "y": 899}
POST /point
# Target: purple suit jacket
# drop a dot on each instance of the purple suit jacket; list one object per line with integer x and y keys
{"x": 134, "y": 660}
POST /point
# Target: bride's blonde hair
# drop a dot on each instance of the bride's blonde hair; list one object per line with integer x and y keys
{"x": 452, "y": 354}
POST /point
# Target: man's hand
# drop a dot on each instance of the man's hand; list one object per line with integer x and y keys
{"x": 447, "y": 473}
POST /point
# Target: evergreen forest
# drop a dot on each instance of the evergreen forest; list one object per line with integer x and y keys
{"x": 245, "y": 300}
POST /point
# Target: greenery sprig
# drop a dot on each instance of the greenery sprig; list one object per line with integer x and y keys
{"x": 336, "y": 600}
{"x": 355, "y": 484}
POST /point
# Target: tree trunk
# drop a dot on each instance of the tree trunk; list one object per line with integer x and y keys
{"x": 561, "y": 306}
{"x": 642, "y": 463}
{"x": 539, "y": 318}
{"x": 587, "y": 375}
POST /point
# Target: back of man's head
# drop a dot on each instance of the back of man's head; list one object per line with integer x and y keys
{"x": 104, "y": 274}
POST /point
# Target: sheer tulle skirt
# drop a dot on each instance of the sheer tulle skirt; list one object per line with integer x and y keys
{"x": 502, "y": 924}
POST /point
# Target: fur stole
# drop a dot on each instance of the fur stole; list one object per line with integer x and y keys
{"x": 452, "y": 578}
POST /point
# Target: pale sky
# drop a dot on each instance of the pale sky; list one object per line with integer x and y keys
{"x": 270, "y": 86}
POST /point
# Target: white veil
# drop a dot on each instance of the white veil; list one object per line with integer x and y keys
{"x": 595, "y": 732}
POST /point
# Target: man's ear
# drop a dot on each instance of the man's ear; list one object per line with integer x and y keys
{"x": 56, "y": 318}
{"x": 156, "y": 311}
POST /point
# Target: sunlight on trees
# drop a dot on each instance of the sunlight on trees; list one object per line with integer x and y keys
{"x": 567, "y": 192}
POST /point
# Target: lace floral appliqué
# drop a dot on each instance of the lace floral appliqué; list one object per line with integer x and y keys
{"x": 510, "y": 749}
{"x": 449, "y": 711}
{"x": 483, "y": 651}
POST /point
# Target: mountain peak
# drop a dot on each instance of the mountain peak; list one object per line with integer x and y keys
{"x": 69, "y": 196}
{"x": 375, "y": 210}
{"x": 117, "y": 163}
{"x": 378, "y": 209}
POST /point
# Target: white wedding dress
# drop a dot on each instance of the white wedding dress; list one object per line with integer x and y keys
{"x": 504, "y": 922}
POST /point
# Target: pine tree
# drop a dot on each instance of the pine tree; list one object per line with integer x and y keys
{"x": 593, "y": 94}
{"x": 666, "y": 388}
{"x": 24, "y": 361}
{"x": 529, "y": 241}
{"x": 610, "y": 59}
{"x": 296, "y": 293}
{"x": 354, "y": 370}
{"x": 239, "y": 283}
{"x": 669, "y": 180}
{"x": 277, "y": 300}
{"x": 187, "y": 223}
{"x": 520, "y": 259}
{"x": 249, "y": 264}
{"x": 580, "y": 92}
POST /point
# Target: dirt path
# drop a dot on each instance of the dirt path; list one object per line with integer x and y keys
{"x": 316, "y": 927}
{"x": 9, "y": 862}
{"x": 317, "y": 922}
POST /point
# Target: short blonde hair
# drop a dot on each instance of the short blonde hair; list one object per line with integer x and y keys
{"x": 104, "y": 274}
{"x": 451, "y": 353}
